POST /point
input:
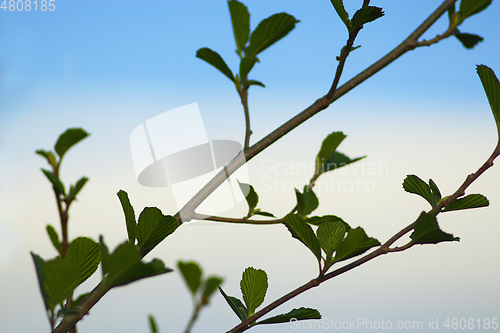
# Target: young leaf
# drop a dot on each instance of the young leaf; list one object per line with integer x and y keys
{"x": 240, "y": 18}
{"x": 73, "y": 191}
{"x": 214, "y": 59}
{"x": 491, "y": 86}
{"x": 40, "y": 272}
{"x": 365, "y": 15}
{"x": 43, "y": 153}
{"x": 253, "y": 83}
{"x": 77, "y": 300}
{"x": 85, "y": 253}
{"x": 246, "y": 66}
{"x": 415, "y": 185}
{"x": 69, "y": 138}
{"x": 153, "y": 227}
{"x": 471, "y": 7}
{"x": 339, "y": 8}
{"x": 128, "y": 210}
{"x": 105, "y": 256}
{"x": 141, "y": 270}
{"x": 469, "y": 201}
{"x": 191, "y": 273}
{"x": 54, "y": 238}
{"x": 253, "y": 287}
{"x": 56, "y": 183}
{"x": 468, "y": 40}
{"x": 295, "y": 314}
{"x": 307, "y": 201}
{"x": 328, "y": 147}
{"x": 435, "y": 193}
{"x": 152, "y": 324}
{"x": 330, "y": 235}
{"x": 318, "y": 220}
{"x": 356, "y": 243}
{"x": 236, "y": 305}
{"x": 269, "y": 31}
{"x": 259, "y": 212}
{"x": 427, "y": 231}
{"x": 210, "y": 285}
{"x": 303, "y": 232}
{"x": 338, "y": 160}
{"x": 250, "y": 195}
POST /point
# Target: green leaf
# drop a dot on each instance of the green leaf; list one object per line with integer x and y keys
{"x": 303, "y": 232}
{"x": 253, "y": 286}
{"x": 259, "y": 212}
{"x": 250, "y": 195}
{"x": 253, "y": 83}
{"x": 69, "y": 138}
{"x": 469, "y": 201}
{"x": 356, "y": 243}
{"x": 328, "y": 147}
{"x": 43, "y": 153}
{"x": 153, "y": 227}
{"x": 468, "y": 40}
{"x": 214, "y": 59}
{"x": 236, "y": 305}
{"x": 191, "y": 273}
{"x": 269, "y": 31}
{"x": 152, "y": 324}
{"x": 435, "y": 193}
{"x": 105, "y": 256}
{"x": 142, "y": 270}
{"x": 492, "y": 88}
{"x": 85, "y": 253}
{"x": 56, "y": 183}
{"x": 415, "y": 185}
{"x": 209, "y": 287}
{"x": 330, "y": 235}
{"x": 246, "y": 66}
{"x": 471, "y": 7}
{"x": 128, "y": 210}
{"x": 338, "y": 160}
{"x": 339, "y": 8}
{"x": 365, "y": 15}
{"x": 54, "y": 238}
{"x": 427, "y": 231}
{"x": 240, "y": 18}
{"x": 296, "y": 314}
{"x": 73, "y": 191}
{"x": 57, "y": 279}
{"x": 307, "y": 201}
{"x": 78, "y": 300}
{"x": 318, "y": 220}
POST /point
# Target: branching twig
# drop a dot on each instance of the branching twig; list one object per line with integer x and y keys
{"x": 244, "y": 220}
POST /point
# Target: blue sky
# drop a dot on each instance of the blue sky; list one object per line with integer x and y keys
{"x": 110, "y": 66}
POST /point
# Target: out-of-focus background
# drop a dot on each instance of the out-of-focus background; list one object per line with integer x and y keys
{"x": 108, "y": 66}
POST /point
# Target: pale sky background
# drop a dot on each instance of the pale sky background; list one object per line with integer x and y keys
{"x": 108, "y": 66}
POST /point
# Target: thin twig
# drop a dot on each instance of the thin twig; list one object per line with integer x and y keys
{"x": 244, "y": 220}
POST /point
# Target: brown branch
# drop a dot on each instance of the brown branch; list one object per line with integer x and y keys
{"x": 244, "y": 101}
{"x": 244, "y": 220}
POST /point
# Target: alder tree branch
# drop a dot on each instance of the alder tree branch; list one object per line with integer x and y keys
{"x": 334, "y": 93}
{"x": 244, "y": 101}
{"x": 244, "y": 220}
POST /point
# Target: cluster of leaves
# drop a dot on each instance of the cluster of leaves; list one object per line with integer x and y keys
{"x": 253, "y": 286}
{"x": 467, "y": 9}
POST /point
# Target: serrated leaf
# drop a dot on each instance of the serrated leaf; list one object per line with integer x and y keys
{"x": 152, "y": 324}
{"x": 365, "y": 15}
{"x": 330, "y": 235}
{"x": 471, "y": 7}
{"x": 468, "y": 40}
{"x": 307, "y": 201}
{"x": 105, "y": 256}
{"x": 318, "y": 220}
{"x": 85, "y": 253}
{"x": 253, "y": 286}
{"x": 153, "y": 227}
{"x": 40, "y": 273}
{"x": 240, "y": 18}
{"x": 339, "y": 8}
{"x": 191, "y": 274}
{"x": 209, "y": 287}
{"x": 328, "y": 147}
{"x": 68, "y": 139}
{"x": 56, "y": 183}
{"x": 129, "y": 213}
{"x": 303, "y": 232}
{"x": 467, "y": 202}
{"x": 259, "y": 212}
{"x": 415, "y": 185}
{"x": 296, "y": 315}
{"x": 246, "y": 66}
{"x": 236, "y": 305}
{"x": 269, "y": 31}
{"x": 253, "y": 83}
{"x": 491, "y": 86}
{"x": 73, "y": 191}
{"x": 427, "y": 231}
{"x": 251, "y": 196}
{"x": 435, "y": 193}
{"x": 142, "y": 270}
{"x": 338, "y": 160}
{"x": 214, "y": 59}
{"x": 356, "y": 243}
{"x": 54, "y": 238}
